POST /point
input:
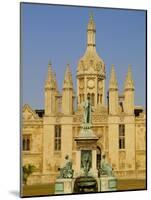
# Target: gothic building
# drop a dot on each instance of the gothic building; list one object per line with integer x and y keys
{"x": 48, "y": 135}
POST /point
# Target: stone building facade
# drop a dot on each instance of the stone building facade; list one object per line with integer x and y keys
{"x": 48, "y": 135}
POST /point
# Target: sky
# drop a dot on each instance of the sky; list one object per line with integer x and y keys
{"x": 58, "y": 34}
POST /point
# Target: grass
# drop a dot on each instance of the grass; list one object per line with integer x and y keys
{"x": 131, "y": 184}
{"x": 38, "y": 190}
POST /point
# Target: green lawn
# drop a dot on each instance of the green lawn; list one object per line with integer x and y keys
{"x": 131, "y": 184}
{"x": 36, "y": 190}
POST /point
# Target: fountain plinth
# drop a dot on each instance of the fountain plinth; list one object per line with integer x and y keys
{"x": 86, "y": 150}
{"x": 84, "y": 177}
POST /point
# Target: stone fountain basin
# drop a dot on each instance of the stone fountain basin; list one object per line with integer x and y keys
{"x": 85, "y": 184}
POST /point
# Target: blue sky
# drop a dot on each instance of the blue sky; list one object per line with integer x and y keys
{"x": 58, "y": 33}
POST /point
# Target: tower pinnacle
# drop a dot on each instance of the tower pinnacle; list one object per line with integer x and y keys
{"x": 50, "y": 77}
{"x": 113, "y": 81}
{"x": 129, "y": 83}
{"x": 91, "y": 32}
{"x": 68, "y": 78}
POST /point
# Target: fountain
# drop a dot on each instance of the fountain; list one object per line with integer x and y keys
{"x": 84, "y": 178}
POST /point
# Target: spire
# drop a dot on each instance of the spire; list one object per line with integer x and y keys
{"x": 113, "y": 81}
{"x": 50, "y": 77}
{"x": 129, "y": 83}
{"x": 91, "y": 31}
{"x": 55, "y": 81}
{"x": 67, "y": 83}
{"x": 91, "y": 23}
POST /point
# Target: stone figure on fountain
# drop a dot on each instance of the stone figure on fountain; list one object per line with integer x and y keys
{"x": 105, "y": 167}
{"x": 66, "y": 171}
{"x": 86, "y": 162}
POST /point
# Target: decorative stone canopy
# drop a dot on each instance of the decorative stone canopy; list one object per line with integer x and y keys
{"x": 91, "y": 63}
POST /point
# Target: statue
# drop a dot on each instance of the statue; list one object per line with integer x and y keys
{"x": 86, "y": 162}
{"x": 105, "y": 167}
{"x": 87, "y": 118}
{"x": 66, "y": 171}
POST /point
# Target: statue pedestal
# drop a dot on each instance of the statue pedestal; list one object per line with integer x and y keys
{"x": 64, "y": 186}
{"x": 86, "y": 144}
{"x": 107, "y": 183}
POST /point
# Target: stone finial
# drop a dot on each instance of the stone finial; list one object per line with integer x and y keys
{"x": 113, "y": 81}
{"x": 129, "y": 83}
{"x": 91, "y": 24}
{"x": 91, "y": 15}
{"x": 67, "y": 83}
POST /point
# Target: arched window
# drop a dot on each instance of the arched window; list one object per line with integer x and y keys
{"x": 88, "y": 95}
{"x": 121, "y": 106}
{"x": 26, "y": 143}
{"x": 57, "y": 145}
{"x": 121, "y": 136}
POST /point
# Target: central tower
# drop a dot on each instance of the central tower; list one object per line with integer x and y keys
{"x": 91, "y": 71}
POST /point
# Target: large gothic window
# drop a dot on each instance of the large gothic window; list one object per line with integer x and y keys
{"x": 26, "y": 145}
{"x": 57, "y": 146}
{"x": 121, "y": 136}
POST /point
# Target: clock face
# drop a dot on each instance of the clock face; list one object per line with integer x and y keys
{"x": 91, "y": 83}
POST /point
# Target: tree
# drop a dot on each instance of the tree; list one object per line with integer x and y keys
{"x": 27, "y": 171}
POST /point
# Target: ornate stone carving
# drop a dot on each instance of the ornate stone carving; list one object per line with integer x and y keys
{"x": 57, "y": 119}
{"x": 121, "y": 118}
{"x": 95, "y": 119}
{"x": 29, "y": 114}
{"x": 77, "y": 118}
{"x": 99, "y": 118}
{"x": 91, "y": 83}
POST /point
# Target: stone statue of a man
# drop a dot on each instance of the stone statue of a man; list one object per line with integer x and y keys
{"x": 87, "y": 117}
